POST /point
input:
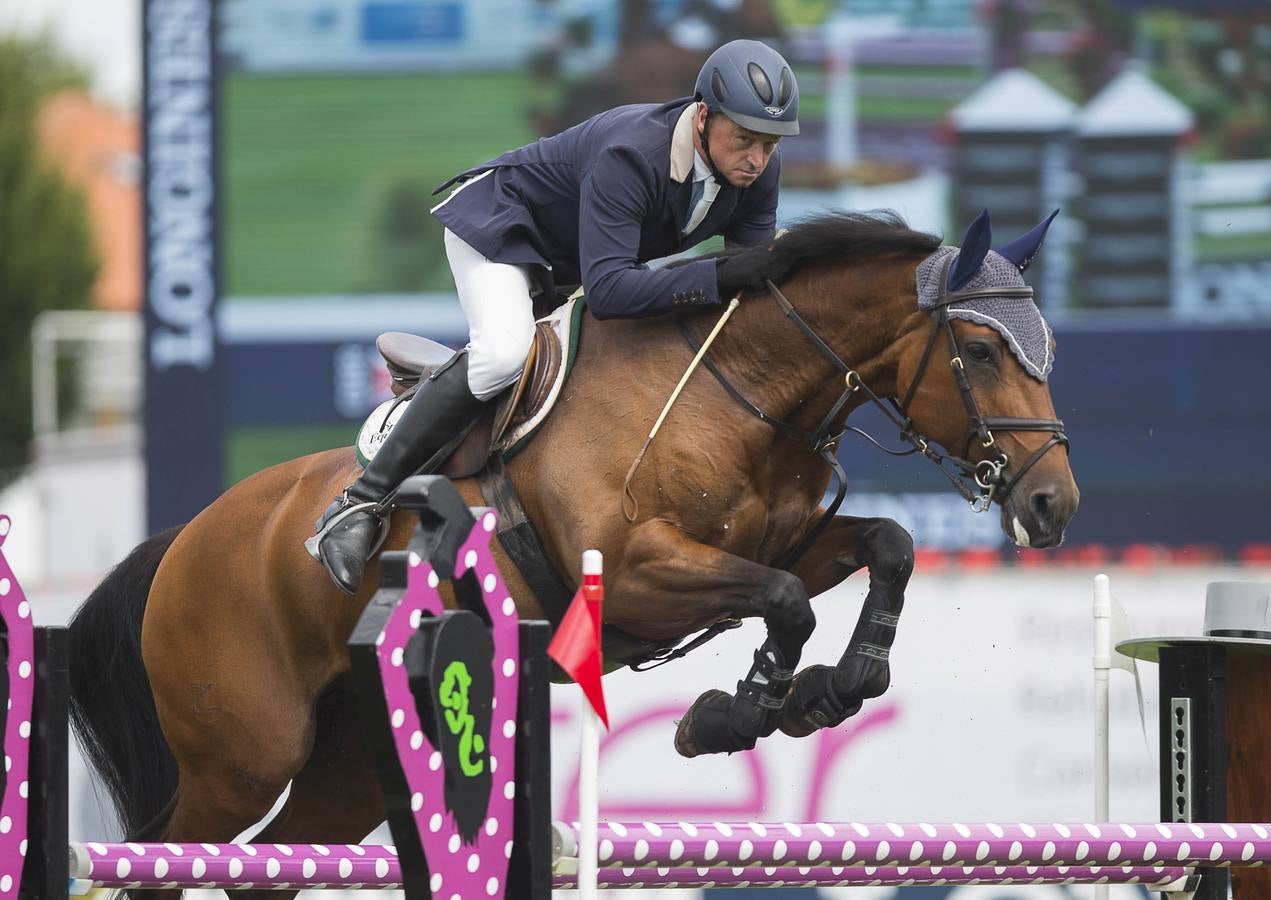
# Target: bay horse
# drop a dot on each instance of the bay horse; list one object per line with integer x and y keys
{"x": 209, "y": 668}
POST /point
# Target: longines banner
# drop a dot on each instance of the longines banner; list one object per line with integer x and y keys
{"x": 183, "y": 408}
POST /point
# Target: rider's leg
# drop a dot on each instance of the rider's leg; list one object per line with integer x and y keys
{"x": 496, "y": 300}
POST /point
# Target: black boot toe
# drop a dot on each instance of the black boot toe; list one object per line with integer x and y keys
{"x": 344, "y": 551}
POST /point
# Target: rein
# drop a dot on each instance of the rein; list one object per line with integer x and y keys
{"x": 988, "y": 475}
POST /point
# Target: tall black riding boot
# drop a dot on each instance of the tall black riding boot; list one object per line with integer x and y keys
{"x": 354, "y": 526}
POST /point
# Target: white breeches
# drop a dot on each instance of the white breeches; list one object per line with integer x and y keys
{"x": 496, "y": 301}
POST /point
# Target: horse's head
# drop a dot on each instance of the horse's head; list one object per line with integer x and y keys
{"x": 974, "y": 381}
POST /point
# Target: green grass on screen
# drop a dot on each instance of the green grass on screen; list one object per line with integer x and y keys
{"x": 306, "y": 158}
{"x": 248, "y": 449}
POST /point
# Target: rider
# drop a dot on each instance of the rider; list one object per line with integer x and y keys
{"x": 589, "y": 205}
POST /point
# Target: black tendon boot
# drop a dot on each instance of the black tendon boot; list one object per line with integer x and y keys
{"x": 353, "y": 527}
{"x": 720, "y": 723}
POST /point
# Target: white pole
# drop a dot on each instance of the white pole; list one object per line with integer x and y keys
{"x": 840, "y": 112}
{"x": 43, "y": 376}
{"x": 1102, "y": 666}
{"x": 588, "y": 777}
{"x": 588, "y": 811}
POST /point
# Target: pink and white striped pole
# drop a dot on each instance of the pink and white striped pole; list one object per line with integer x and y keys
{"x": 236, "y": 866}
{"x": 827, "y": 876}
{"x": 316, "y": 866}
{"x": 686, "y": 844}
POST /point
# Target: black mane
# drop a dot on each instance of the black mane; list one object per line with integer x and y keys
{"x": 842, "y": 237}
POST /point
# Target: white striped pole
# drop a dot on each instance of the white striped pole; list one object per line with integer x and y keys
{"x": 1102, "y": 668}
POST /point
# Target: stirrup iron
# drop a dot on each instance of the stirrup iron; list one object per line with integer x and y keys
{"x": 381, "y": 511}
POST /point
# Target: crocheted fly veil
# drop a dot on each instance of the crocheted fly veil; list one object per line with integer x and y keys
{"x": 976, "y": 268}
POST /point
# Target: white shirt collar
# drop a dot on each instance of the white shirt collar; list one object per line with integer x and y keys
{"x": 701, "y": 170}
{"x": 682, "y": 149}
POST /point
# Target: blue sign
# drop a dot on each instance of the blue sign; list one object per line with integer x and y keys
{"x": 412, "y": 23}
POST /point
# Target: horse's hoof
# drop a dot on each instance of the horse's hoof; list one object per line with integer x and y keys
{"x": 686, "y": 744}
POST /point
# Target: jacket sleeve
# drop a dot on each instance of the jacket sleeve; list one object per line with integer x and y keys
{"x": 755, "y": 223}
{"x": 618, "y": 193}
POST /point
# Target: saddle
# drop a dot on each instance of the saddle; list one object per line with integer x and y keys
{"x": 411, "y": 359}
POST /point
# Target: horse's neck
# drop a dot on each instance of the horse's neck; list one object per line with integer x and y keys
{"x": 860, "y": 318}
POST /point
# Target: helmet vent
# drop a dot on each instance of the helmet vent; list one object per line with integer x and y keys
{"x": 785, "y": 87}
{"x": 717, "y": 86}
{"x": 759, "y": 81}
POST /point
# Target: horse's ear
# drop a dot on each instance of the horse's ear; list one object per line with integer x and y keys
{"x": 1024, "y": 248}
{"x": 975, "y": 246}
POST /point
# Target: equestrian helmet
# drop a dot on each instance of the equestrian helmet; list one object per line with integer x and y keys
{"x": 753, "y": 85}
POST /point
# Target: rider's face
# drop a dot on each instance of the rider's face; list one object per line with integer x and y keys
{"x": 739, "y": 153}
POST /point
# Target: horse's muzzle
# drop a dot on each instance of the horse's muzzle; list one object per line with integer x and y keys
{"x": 1037, "y": 517}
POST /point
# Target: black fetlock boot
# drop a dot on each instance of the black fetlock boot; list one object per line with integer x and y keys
{"x": 440, "y": 414}
{"x": 813, "y": 702}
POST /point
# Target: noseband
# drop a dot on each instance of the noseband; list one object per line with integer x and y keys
{"x": 989, "y": 475}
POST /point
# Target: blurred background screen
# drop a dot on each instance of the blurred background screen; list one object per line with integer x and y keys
{"x": 1148, "y": 124}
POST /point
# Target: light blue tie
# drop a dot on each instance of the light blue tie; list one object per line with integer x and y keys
{"x": 704, "y": 193}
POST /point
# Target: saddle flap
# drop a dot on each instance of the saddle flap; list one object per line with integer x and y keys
{"x": 468, "y": 458}
{"x": 550, "y": 358}
{"x": 530, "y": 392}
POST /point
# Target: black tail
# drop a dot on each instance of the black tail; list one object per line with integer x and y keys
{"x": 112, "y": 709}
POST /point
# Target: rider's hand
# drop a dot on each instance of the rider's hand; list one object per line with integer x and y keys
{"x": 746, "y": 271}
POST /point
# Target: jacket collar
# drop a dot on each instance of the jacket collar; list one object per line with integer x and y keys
{"x": 682, "y": 145}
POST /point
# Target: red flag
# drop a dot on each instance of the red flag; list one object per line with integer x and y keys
{"x": 576, "y": 644}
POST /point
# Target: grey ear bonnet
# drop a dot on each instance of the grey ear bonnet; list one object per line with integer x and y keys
{"x": 1017, "y": 320}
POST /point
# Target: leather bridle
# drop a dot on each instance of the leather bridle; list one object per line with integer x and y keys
{"x": 980, "y": 483}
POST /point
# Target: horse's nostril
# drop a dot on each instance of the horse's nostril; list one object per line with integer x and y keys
{"x": 1042, "y": 502}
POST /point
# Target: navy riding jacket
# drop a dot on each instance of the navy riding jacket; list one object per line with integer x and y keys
{"x": 594, "y": 203}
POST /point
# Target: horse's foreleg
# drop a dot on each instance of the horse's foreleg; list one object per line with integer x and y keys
{"x": 823, "y": 696}
{"x": 719, "y": 722}
{"x": 671, "y": 577}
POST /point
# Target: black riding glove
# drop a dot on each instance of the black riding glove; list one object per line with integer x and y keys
{"x": 747, "y": 270}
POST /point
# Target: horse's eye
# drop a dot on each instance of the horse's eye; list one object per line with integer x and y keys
{"x": 979, "y": 351}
